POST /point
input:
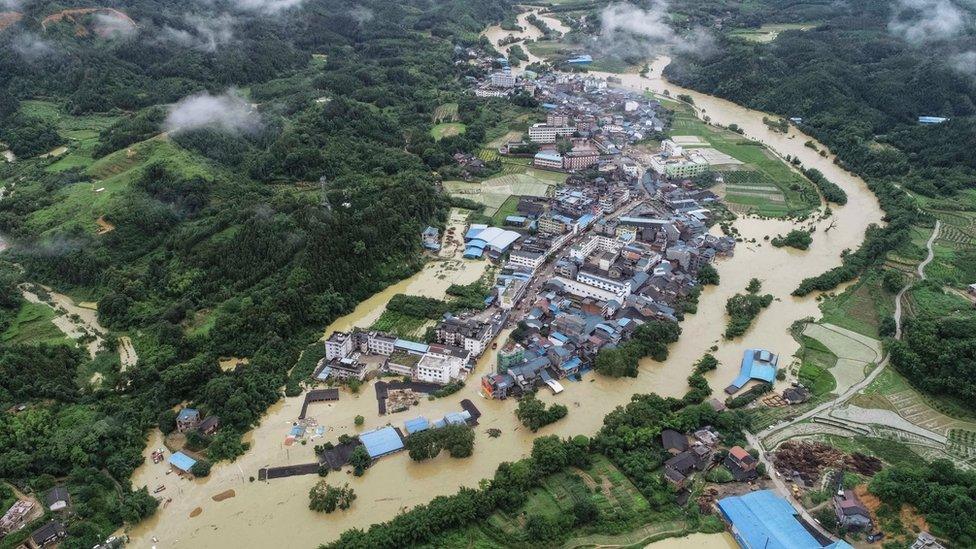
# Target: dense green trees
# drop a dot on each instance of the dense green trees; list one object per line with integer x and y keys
{"x": 326, "y": 498}
{"x": 943, "y": 494}
{"x": 939, "y": 354}
{"x": 830, "y": 191}
{"x": 219, "y": 247}
{"x": 650, "y": 339}
{"x": 796, "y": 238}
{"x": 534, "y": 414}
{"x": 708, "y": 275}
{"x": 458, "y": 440}
{"x": 744, "y": 308}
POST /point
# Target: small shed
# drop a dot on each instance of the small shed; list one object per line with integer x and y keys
{"x": 182, "y": 462}
{"x": 57, "y": 498}
{"x": 416, "y": 425}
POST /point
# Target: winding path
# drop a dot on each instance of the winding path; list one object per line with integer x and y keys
{"x": 756, "y": 440}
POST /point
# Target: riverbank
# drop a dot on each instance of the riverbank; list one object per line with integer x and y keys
{"x": 264, "y": 513}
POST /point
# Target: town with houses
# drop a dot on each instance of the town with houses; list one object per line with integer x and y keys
{"x": 619, "y": 243}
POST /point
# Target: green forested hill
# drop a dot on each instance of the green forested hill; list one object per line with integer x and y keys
{"x": 860, "y": 77}
{"x": 216, "y": 242}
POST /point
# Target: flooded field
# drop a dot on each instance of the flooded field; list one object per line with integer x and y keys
{"x": 265, "y": 514}
{"x": 529, "y": 32}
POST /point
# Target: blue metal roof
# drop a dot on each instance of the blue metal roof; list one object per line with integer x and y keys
{"x": 515, "y": 219}
{"x": 474, "y": 230}
{"x": 762, "y": 520}
{"x": 187, "y": 413}
{"x": 472, "y": 252}
{"x": 571, "y": 363}
{"x": 411, "y": 345}
{"x": 416, "y": 424}
{"x": 182, "y": 461}
{"x": 756, "y": 364}
{"x": 381, "y": 442}
{"x": 552, "y": 157}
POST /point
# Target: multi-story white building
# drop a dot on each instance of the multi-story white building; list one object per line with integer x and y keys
{"x": 442, "y": 364}
{"x": 544, "y": 133}
{"x": 582, "y": 249}
{"x": 339, "y": 345}
{"x": 581, "y": 289}
{"x": 471, "y": 335}
{"x": 510, "y": 294}
{"x": 528, "y": 259}
{"x": 548, "y": 159}
{"x": 615, "y": 286}
{"x": 503, "y": 79}
{"x": 380, "y": 344}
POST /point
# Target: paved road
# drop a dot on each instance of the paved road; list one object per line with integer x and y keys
{"x": 756, "y": 440}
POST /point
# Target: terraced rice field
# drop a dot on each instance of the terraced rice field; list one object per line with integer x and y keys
{"x": 488, "y": 154}
{"x": 958, "y": 230}
{"x": 445, "y": 113}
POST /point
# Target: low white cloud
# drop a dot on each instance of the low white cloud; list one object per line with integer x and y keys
{"x": 112, "y": 26}
{"x": 922, "y": 21}
{"x": 627, "y": 30}
{"x": 228, "y": 112}
{"x": 964, "y": 62}
{"x": 361, "y": 14}
{"x": 268, "y": 6}
{"x": 205, "y": 33}
{"x": 31, "y": 46}
{"x": 10, "y": 5}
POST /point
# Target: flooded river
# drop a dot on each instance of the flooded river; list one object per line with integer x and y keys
{"x": 265, "y": 514}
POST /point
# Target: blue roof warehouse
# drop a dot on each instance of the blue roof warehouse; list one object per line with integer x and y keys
{"x": 763, "y": 520}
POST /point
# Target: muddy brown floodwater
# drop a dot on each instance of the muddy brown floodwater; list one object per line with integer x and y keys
{"x": 266, "y": 514}
{"x": 530, "y": 32}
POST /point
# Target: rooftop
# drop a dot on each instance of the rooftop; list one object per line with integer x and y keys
{"x": 381, "y": 442}
{"x": 762, "y": 519}
{"x": 182, "y": 461}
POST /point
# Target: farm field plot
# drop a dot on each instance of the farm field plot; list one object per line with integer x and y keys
{"x": 768, "y": 33}
{"x": 495, "y": 191}
{"x": 603, "y": 484}
{"x": 934, "y": 414}
{"x": 507, "y": 208}
{"x": 33, "y": 324}
{"x": 509, "y": 136}
{"x": 401, "y": 325}
{"x": 854, "y": 353}
{"x": 447, "y": 129}
{"x": 788, "y": 191}
{"x": 445, "y": 113}
{"x": 860, "y": 307}
{"x": 80, "y": 132}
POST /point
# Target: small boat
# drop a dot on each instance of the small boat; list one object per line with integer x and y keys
{"x": 159, "y": 489}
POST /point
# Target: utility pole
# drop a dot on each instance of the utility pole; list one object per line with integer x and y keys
{"x": 323, "y": 181}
